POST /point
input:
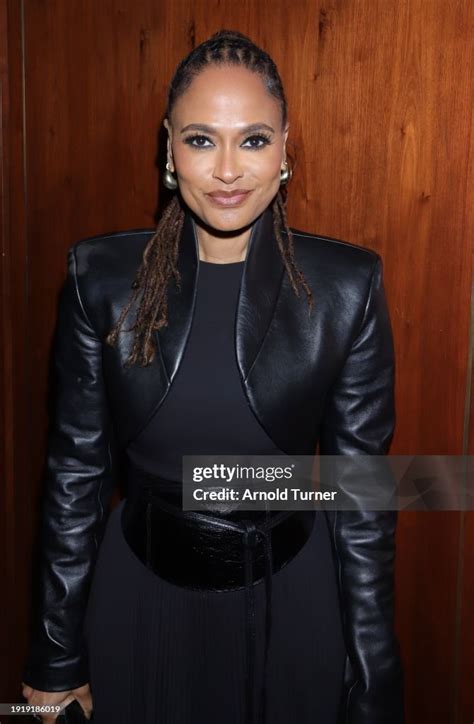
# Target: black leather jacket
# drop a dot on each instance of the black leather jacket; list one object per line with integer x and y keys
{"x": 328, "y": 377}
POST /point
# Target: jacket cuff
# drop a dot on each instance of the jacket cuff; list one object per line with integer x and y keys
{"x": 64, "y": 674}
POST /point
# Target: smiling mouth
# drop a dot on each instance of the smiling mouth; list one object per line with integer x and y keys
{"x": 226, "y": 200}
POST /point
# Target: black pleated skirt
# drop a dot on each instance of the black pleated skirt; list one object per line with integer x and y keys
{"x": 160, "y": 654}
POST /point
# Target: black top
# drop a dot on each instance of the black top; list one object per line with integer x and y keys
{"x": 206, "y": 411}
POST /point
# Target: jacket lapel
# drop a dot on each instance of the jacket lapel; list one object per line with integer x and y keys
{"x": 261, "y": 279}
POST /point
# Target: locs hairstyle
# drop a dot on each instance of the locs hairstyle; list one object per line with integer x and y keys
{"x": 160, "y": 257}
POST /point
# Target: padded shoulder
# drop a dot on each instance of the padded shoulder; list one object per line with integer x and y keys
{"x": 110, "y": 253}
{"x": 106, "y": 266}
{"x": 322, "y": 258}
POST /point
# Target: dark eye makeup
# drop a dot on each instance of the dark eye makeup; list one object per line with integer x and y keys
{"x": 263, "y": 139}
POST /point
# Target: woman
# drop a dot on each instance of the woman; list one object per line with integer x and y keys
{"x": 176, "y": 627}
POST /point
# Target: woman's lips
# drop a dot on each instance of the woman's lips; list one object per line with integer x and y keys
{"x": 229, "y": 200}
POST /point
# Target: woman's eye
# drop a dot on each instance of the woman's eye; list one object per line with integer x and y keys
{"x": 254, "y": 142}
{"x": 198, "y": 141}
{"x": 262, "y": 141}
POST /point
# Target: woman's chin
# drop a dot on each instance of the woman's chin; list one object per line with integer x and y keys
{"x": 229, "y": 220}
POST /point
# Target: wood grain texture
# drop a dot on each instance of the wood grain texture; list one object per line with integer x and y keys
{"x": 380, "y": 102}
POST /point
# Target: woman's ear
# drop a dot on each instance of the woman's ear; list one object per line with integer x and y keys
{"x": 167, "y": 125}
{"x": 169, "y": 152}
{"x": 285, "y": 138}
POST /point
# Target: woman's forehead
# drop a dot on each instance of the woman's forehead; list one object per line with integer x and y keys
{"x": 226, "y": 95}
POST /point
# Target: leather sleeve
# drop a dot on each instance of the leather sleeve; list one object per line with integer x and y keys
{"x": 77, "y": 488}
{"x": 359, "y": 419}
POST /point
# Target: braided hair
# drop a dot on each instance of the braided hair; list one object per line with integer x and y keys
{"x": 160, "y": 257}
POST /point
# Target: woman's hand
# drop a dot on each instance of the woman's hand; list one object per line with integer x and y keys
{"x": 51, "y": 698}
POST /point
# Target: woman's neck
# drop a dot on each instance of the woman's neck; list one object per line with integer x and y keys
{"x": 223, "y": 249}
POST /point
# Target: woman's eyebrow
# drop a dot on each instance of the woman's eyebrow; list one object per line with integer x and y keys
{"x": 208, "y": 129}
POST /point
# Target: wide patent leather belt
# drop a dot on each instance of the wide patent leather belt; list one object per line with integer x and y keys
{"x": 223, "y": 552}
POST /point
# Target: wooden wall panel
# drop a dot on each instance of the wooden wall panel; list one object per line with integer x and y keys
{"x": 380, "y": 105}
{"x": 18, "y": 490}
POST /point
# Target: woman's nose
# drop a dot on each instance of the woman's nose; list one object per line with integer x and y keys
{"x": 227, "y": 166}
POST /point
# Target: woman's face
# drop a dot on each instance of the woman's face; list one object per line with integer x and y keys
{"x": 225, "y": 135}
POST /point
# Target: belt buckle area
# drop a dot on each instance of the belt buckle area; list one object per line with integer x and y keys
{"x": 188, "y": 551}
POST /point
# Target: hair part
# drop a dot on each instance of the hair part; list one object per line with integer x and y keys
{"x": 160, "y": 256}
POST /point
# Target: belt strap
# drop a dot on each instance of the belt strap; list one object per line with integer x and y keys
{"x": 251, "y": 533}
{"x": 250, "y": 539}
